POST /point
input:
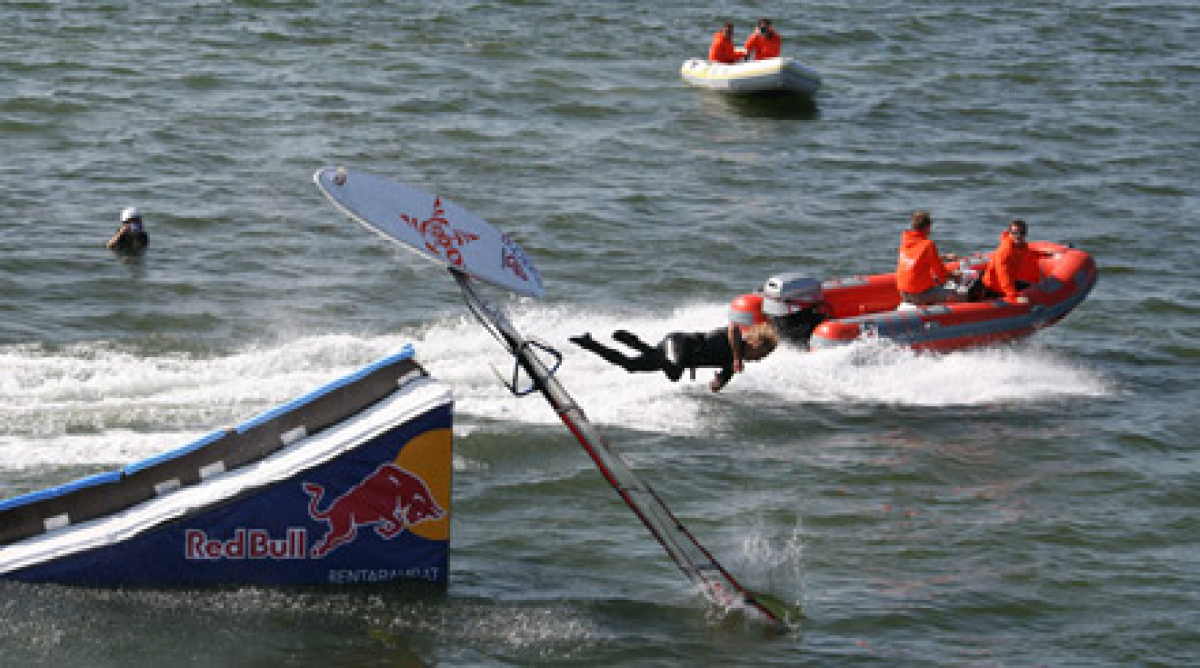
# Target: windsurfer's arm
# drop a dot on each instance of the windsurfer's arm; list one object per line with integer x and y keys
{"x": 735, "y": 365}
{"x": 721, "y": 379}
{"x": 737, "y": 346}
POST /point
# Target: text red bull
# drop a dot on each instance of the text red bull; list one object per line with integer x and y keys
{"x": 247, "y": 544}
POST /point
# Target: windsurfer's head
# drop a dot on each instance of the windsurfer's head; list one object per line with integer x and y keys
{"x": 760, "y": 341}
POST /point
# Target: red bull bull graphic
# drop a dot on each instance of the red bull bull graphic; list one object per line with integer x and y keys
{"x": 390, "y": 499}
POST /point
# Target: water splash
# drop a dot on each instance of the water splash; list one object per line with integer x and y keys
{"x": 100, "y": 403}
{"x": 882, "y": 372}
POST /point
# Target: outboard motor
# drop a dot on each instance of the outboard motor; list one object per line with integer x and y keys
{"x": 795, "y": 305}
{"x": 747, "y": 311}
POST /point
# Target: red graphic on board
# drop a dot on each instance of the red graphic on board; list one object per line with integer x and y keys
{"x": 440, "y": 238}
{"x": 391, "y": 499}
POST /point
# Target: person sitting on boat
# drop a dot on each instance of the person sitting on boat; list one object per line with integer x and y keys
{"x": 726, "y": 348}
{"x": 919, "y": 269}
{"x": 764, "y": 43}
{"x": 1014, "y": 266}
{"x": 131, "y": 237}
{"x": 722, "y": 49}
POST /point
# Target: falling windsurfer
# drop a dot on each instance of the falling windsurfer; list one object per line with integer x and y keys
{"x": 725, "y": 348}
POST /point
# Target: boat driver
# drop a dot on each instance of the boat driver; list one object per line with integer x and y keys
{"x": 919, "y": 269}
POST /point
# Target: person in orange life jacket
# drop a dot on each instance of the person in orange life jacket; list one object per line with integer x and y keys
{"x": 919, "y": 269}
{"x": 722, "y": 49}
{"x": 764, "y": 43}
{"x": 1014, "y": 266}
{"x": 726, "y": 348}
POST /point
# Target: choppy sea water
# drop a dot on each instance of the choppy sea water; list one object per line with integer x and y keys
{"x": 1033, "y": 504}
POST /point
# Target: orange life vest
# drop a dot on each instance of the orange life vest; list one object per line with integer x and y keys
{"x": 918, "y": 266}
{"x": 761, "y": 47}
{"x": 1011, "y": 262}
{"x": 722, "y": 49}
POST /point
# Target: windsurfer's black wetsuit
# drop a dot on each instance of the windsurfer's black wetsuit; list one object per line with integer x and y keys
{"x": 676, "y": 352}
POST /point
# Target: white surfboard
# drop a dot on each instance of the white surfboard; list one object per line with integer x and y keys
{"x": 434, "y": 228}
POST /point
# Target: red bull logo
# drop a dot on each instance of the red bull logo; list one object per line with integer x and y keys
{"x": 390, "y": 499}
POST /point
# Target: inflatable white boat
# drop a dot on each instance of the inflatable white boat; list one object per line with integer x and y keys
{"x": 773, "y": 75}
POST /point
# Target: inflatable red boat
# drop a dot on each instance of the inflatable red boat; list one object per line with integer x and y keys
{"x": 819, "y": 315}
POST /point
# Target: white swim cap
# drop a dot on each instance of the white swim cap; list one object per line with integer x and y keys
{"x": 129, "y": 213}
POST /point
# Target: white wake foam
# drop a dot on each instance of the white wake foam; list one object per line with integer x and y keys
{"x": 99, "y": 403}
{"x": 878, "y": 372}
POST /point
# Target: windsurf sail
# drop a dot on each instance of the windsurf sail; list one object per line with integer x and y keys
{"x": 436, "y": 229}
{"x": 377, "y": 205}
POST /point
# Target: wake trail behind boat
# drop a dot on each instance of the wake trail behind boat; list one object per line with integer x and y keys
{"x": 96, "y": 403}
{"x": 876, "y": 372}
{"x": 868, "y": 372}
